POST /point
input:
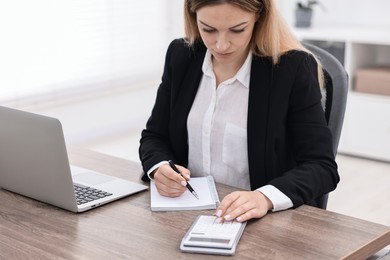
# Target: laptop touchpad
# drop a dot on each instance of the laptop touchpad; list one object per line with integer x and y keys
{"x": 92, "y": 178}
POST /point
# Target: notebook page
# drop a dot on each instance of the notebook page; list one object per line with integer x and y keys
{"x": 187, "y": 201}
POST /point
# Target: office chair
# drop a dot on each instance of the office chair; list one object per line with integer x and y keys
{"x": 334, "y": 99}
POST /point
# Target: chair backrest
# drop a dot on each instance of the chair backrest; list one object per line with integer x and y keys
{"x": 335, "y": 98}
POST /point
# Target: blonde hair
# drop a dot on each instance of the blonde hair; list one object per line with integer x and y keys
{"x": 271, "y": 35}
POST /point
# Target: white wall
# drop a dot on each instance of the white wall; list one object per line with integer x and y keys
{"x": 91, "y": 113}
{"x": 346, "y": 13}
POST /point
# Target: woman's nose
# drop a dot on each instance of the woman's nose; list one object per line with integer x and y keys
{"x": 222, "y": 43}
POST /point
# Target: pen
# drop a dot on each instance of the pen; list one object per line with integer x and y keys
{"x": 188, "y": 185}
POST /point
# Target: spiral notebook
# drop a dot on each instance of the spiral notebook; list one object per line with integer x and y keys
{"x": 204, "y": 187}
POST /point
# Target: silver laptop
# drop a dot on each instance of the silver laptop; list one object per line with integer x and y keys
{"x": 34, "y": 163}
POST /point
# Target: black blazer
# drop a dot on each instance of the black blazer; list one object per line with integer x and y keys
{"x": 289, "y": 143}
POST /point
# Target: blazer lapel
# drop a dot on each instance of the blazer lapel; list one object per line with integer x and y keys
{"x": 258, "y": 106}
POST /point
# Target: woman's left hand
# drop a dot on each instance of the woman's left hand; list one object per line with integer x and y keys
{"x": 243, "y": 205}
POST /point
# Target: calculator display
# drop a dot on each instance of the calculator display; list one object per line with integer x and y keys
{"x": 211, "y": 240}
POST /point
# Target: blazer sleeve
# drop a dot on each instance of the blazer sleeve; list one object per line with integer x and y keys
{"x": 309, "y": 140}
{"x": 154, "y": 144}
{"x": 165, "y": 136}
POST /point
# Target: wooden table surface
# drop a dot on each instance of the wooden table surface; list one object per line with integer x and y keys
{"x": 128, "y": 229}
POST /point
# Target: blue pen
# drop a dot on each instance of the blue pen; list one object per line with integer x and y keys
{"x": 188, "y": 185}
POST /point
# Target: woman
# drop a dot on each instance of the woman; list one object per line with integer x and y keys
{"x": 240, "y": 100}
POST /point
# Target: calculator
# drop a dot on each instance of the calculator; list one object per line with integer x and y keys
{"x": 209, "y": 237}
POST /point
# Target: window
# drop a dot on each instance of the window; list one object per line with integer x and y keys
{"x": 48, "y": 46}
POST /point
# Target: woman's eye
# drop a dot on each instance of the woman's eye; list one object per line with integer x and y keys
{"x": 208, "y": 30}
{"x": 238, "y": 30}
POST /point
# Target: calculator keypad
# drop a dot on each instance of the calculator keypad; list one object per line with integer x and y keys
{"x": 207, "y": 225}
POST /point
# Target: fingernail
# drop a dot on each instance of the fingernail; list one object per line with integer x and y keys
{"x": 239, "y": 219}
{"x": 228, "y": 217}
{"x": 184, "y": 183}
{"x": 219, "y": 213}
{"x": 218, "y": 220}
{"x": 187, "y": 176}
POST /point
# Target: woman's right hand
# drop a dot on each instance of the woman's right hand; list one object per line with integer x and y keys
{"x": 168, "y": 182}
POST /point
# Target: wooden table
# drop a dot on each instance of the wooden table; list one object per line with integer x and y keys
{"x": 128, "y": 229}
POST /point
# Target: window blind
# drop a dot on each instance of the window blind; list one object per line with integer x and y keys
{"x": 50, "y": 45}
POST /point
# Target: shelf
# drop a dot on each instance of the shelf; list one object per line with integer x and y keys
{"x": 366, "y": 128}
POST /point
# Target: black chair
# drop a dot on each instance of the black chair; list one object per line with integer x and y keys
{"x": 334, "y": 98}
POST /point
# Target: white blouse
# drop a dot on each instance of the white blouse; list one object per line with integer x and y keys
{"x": 217, "y": 136}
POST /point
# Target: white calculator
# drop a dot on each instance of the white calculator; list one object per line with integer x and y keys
{"x": 209, "y": 237}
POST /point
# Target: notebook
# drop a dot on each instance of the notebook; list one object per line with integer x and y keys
{"x": 204, "y": 187}
{"x": 34, "y": 163}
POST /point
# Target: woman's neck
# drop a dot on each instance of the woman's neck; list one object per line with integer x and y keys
{"x": 224, "y": 70}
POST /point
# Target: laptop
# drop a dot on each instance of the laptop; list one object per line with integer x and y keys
{"x": 34, "y": 163}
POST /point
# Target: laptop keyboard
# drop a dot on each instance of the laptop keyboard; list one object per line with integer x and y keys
{"x": 86, "y": 194}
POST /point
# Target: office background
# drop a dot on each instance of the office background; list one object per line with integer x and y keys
{"x": 96, "y": 66}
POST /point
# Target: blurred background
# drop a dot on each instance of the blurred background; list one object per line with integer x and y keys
{"x": 96, "y": 66}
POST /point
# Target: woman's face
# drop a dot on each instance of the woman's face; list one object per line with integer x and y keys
{"x": 226, "y": 30}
